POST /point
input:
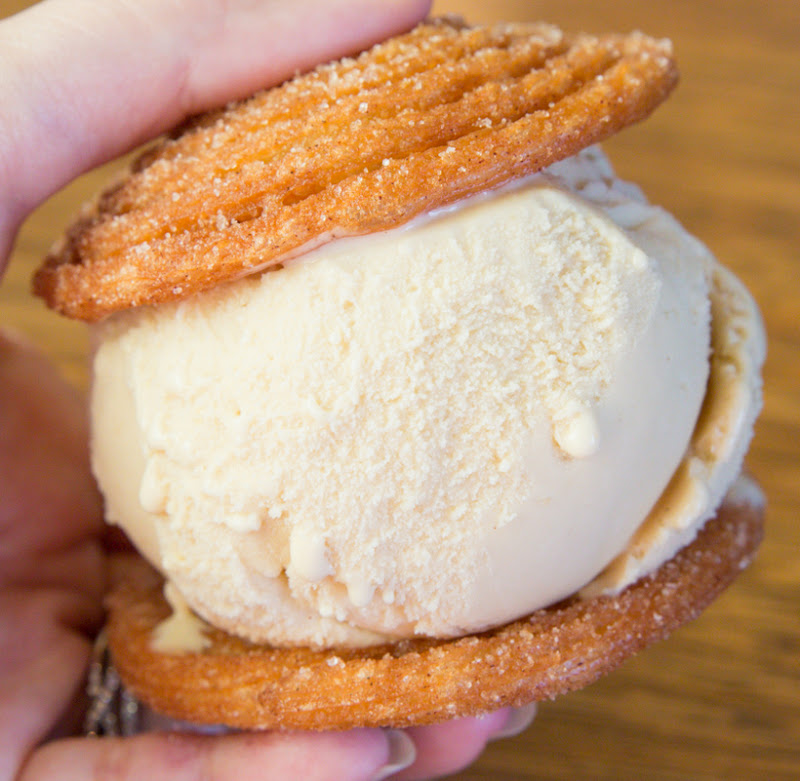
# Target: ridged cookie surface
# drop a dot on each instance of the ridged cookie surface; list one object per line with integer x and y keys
{"x": 553, "y": 651}
{"x": 361, "y": 145}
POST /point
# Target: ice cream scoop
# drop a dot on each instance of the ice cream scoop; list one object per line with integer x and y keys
{"x": 434, "y": 429}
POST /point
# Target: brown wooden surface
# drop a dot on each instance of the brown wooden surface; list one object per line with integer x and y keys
{"x": 721, "y": 698}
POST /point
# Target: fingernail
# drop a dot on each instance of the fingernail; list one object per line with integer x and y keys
{"x": 402, "y": 753}
{"x": 518, "y": 721}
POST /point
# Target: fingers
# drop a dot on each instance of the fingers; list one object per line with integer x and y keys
{"x": 42, "y": 671}
{"x": 52, "y": 571}
{"x": 85, "y": 81}
{"x": 50, "y": 504}
{"x": 360, "y": 755}
{"x": 445, "y": 748}
{"x": 371, "y": 755}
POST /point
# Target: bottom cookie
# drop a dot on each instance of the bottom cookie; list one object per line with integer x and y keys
{"x": 552, "y": 651}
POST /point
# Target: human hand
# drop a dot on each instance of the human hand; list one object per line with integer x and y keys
{"x": 83, "y": 82}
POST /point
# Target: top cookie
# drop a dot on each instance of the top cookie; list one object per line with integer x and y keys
{"x": 416, "y": 123}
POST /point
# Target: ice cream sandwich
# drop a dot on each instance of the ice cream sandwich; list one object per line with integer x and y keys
{"x": 413, "y": 407}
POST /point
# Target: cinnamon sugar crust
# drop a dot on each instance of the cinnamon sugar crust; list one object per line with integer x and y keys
{"x": 552, "y": 651}
{"x": 361, "y": 145}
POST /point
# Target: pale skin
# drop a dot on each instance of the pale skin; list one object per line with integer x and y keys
{"x": 83, "y": 82}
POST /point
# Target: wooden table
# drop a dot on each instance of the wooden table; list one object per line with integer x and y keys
{"x": 721, "y": 698}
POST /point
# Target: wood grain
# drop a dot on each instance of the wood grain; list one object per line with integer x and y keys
{"x": 721, "y": 699}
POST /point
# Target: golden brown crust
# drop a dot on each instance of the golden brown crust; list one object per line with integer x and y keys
{"x": 416, "y": 123}
{"x": 553, "y": 651}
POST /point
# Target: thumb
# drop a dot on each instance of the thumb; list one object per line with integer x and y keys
{"x": 359, "y": 755}
{"x": 85, "y": 81}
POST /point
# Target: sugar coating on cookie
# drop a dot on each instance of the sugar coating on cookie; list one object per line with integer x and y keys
{"x": 414, "y": 124}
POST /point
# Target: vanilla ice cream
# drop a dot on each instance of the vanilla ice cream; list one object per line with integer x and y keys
{"x": 435, "y": 429}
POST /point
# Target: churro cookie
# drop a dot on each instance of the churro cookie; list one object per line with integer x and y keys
{"x": 553, "y": 651}
{"x": 413, "y": 125}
